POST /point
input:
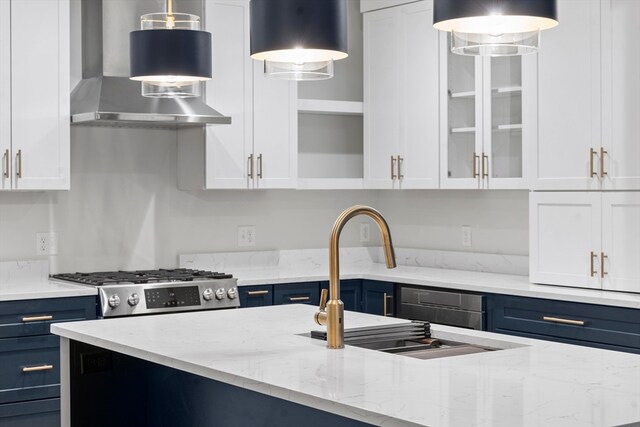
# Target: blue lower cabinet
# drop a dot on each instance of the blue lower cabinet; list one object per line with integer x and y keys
{"x": 350, "y": 293}
{"x": 255, "y": 296}
{"x": 611, "y": 328}
{"x": 39, "y": 413}
{"x": 378, "y": 298}
{"x": 297, "y": 293}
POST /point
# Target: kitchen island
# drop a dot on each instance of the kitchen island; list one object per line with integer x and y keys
{"x": 266, "y": 352}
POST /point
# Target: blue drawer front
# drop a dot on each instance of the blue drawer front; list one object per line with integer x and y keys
{"x": 603, "y": 325}
{"x": 297, "y": 293}
{"x": 13, "y": 314}
{"x": 41, "y": 413}
{"x": 378, "y": 298}
{"x": 29, "y": 352}
{"x": 350, "y": 293}
{"x": 255, "y": 296}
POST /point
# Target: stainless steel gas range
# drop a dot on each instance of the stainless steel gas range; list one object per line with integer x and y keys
{"x": 130, "y": 293}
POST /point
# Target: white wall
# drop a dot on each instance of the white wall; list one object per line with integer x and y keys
{"x": 124, "y": 211}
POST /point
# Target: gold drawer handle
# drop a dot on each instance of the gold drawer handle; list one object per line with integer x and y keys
{"x": 476, "y": 160}
{"x": 603, "y": 258}
{"x": 36, "y": 319}
{"x": 298, "y": 299}
{"x": 602, "y": 154}
{"x": 6, "y": 163}
{"x": 19, "y": 158}
{"x": 592, "y": 264}
{"x": 385, "y": 304}
{"x": 592, "y": 171}
{"x": 563, "y": 321}
{"x": 393, "y": 168}
{"x": 37, "y": 368}
{"x": 256, "y": 293}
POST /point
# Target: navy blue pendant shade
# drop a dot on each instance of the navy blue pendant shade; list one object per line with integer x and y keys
{"x": 494, "y": 27}
{"x": 183, "y": 53}
{"x": 299, "y": 39}
{"x": 278, "y": 25}
{"x": 447, "y": 10}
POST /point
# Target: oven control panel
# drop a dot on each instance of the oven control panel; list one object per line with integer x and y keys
{"x": 135, "y": 299}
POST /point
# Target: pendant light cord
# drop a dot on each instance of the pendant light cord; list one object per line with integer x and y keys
{"x": 170, "y": 7}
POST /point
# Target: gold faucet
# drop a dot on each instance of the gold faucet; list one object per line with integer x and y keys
{"x": 331, "y": 313}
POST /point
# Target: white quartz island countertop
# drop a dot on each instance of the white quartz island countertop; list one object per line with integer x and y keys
{"x": 530, "y": 383}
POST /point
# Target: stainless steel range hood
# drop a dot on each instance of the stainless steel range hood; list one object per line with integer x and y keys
{"x": 106, "y": 96}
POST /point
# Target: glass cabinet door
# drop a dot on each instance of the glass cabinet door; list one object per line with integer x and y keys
{"x": 503, "y": 122}
{"x": 461, "y": 129}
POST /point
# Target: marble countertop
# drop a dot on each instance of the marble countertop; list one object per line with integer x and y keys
{"x": 442, "y": 278}
{"x": 530, "y": 383}
{"x": 42, "y": 289}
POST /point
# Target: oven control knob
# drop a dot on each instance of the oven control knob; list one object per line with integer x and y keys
{"x": 220, "y": 293}
{"x": 208, "y": 294}
{"x": 133, "y": 300}
{"x": 233, "y": 293}
{"x": 114, "y": 301}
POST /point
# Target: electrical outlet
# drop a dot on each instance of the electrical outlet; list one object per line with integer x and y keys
{"x": 365, "y": 232}
{"x": 466, "y": 235}
{"x": 247, "y": 236}
{"x": 46, "y": 244}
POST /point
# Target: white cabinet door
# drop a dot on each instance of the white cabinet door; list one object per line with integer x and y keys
{"x": 275, "y": 130}
{"x": 419, "y": 129}
{"x": 621, "y": 93}
{"x": 382, "y": 94}
{"x": 40, "y": 94}
{"x": 621, "y": 241}
{"x": 569, "y": 90}
{"x": 565, "y": 238}
{"x": 5, "y": 95}
{"x": 228, "y": 147}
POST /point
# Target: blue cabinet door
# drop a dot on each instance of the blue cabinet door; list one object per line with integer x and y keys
{"x": 297, "y": 293}
{"x": 255, "y": 296}
{"x": 378, "y": 298}
{"x": 350, "y": 293}
{"x": 39, "y": 413}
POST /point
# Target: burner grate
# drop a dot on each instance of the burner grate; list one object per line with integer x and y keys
{"x": 141, "y": 276}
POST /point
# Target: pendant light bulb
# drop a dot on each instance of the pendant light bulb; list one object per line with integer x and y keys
{"x": 494, "y": 27}
{"x": 299, "y": 39}
{"x": 170, "y": 55}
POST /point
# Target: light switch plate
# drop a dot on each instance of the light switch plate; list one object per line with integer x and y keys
{"x": 466, "y": 235}
{"x": 365, "y": 233}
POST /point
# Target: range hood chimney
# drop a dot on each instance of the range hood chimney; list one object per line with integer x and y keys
{"x": 105, "y": 95}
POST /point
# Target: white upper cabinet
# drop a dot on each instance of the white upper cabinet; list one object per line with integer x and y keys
{"x": 400, "y": 98}
{"x": 589, "y": 98}
{"x": 620, "y": 165}
{"x": 259, "y": 148}
{"x": 34, "y": 94}
{"x": 487, "y": 119}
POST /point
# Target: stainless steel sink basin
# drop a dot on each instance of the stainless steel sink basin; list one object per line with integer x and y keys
{"x": 410, "y": 339}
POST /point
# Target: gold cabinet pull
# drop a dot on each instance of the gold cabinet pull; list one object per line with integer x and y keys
{"x": 476, "y": 159}
{"x": 299, "y": 299}
{"x": 592, "y": 172}
{"x": 256, "y": 293}
{"x": 36, "y": 318}
{"x": 19, "y": 159}
{"x": 602, "y": 154}
{"x": 393, "y": 168}
{"x": 250, "y": 175}
{"x": 563, "y": 321}
{"x": 400, "y": 161}
{"x": 37, "y": 368}
{"x": 385, "y": 305}
{"x": 485, "y": 171}
{"x": 5, "y": 159}
{"x": 603, "y": 257}
{"x": 260, "y": 166}
{"x": 592, "y": 263}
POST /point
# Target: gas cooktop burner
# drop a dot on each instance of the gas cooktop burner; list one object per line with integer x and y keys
{"x": 141, "y": 277}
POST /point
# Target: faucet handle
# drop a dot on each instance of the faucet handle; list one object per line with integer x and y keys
{"x": 323, "y": 299}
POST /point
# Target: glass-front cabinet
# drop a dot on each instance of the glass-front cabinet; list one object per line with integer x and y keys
{"x": 487, "y": 123}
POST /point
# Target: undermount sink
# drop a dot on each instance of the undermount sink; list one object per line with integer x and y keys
{"x": 411, "y": 339}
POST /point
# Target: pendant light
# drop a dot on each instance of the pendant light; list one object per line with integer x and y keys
{"x": 494, "y": 27}
{"x": 299, "y": 39}
{"x": 170, "y": 55}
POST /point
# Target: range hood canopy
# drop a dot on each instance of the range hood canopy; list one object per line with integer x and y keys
{"x": 106, "y": 96}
